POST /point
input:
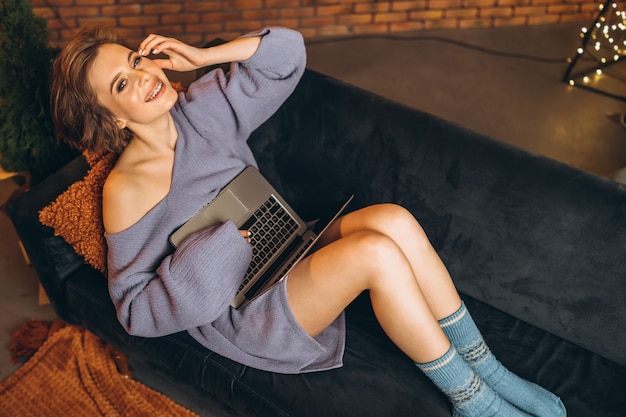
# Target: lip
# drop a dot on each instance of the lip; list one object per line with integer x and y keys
{"x": 158, "y": 85}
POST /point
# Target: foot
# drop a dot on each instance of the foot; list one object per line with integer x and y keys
{"x": 523, "y": 394}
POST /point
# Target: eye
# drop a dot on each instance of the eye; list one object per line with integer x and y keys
{"x": 121, "y": 85}
{"x": 136, "y": 61}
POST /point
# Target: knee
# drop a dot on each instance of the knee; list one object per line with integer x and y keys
{"x": 379, "y": 260}
{"x": 393, "y": 214}
{"x": 397, "y": 222}
{"x": 375, "y": 251}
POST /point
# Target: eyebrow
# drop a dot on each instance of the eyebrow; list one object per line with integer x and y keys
{"x": 117, "y": 76}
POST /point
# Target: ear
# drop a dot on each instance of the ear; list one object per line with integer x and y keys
{"x": 121, "y": 124}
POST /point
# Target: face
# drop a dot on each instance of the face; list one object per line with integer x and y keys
{"x": 135, "y": 89}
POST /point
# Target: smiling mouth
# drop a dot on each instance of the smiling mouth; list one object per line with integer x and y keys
{"x": 156, "y": 91}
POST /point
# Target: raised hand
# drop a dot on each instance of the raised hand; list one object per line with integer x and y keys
{"x": 184, "y": 57}
{"x": 180, "y": 56}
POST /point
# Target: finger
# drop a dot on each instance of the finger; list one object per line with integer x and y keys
{"x": 163, "y": 45}
{"x": 153, "y": 44}
{"x": 143, "y": 46}
{"x": 246, "y": 235}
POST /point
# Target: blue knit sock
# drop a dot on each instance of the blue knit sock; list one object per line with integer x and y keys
{"x": 470, "y": 395}
{"x": 465, "y": 336}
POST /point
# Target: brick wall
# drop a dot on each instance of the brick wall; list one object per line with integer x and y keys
{"x": 197, "y": 21}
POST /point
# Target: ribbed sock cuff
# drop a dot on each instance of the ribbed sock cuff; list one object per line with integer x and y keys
{"x": 447, "y": 372}
{"x": 454, "y": 317}
{"x": 467, "y": 392}
{"x": 460, "y": 328}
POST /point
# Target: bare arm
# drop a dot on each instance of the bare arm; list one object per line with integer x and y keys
{"x": 183, "y": 57}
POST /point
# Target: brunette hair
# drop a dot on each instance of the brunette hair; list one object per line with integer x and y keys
{"x": 79, "y": 118}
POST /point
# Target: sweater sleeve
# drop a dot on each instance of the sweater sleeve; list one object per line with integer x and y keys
{"x": 190, "y": 287}
{"x": 237, "y": 102}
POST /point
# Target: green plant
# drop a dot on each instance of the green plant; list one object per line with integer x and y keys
{"x": 27, "y": 141}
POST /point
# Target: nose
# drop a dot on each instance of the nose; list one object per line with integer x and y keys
{"x": 142, "y": 77}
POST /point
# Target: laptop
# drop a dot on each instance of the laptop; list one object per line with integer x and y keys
{"x": 279, "y": 237}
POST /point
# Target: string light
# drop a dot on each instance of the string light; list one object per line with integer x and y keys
{"x": 604, "y": 41}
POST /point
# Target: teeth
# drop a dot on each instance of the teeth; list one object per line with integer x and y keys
{"x": 156, "y": 90}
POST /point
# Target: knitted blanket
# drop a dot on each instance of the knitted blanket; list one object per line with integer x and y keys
{"x": 74, "y": 373}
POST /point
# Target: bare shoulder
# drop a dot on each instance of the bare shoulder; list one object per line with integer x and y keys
{"x": 129, "y": 194}
{"x": 119, "y": 201}
{"x": 136, "y": 184}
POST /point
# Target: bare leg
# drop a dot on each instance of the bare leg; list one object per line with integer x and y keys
{"x": 399, "y": 224}
{"x": 322, "y": 285}
{"x": 382, "y": 249}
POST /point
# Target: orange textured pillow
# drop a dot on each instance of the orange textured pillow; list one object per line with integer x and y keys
{"x": 76, "y": 215}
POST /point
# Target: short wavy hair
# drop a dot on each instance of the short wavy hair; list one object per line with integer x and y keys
{"x": 79, "y": 118}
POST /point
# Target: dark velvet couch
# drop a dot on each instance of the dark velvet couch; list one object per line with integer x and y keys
{"x": 535, "y": 247}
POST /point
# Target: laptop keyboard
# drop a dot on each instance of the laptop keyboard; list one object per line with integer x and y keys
{"x": 270, "y": 228}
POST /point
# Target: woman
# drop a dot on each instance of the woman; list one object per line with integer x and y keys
{"x": 177, "y": 151}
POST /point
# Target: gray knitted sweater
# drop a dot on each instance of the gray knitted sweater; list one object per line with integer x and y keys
{"x": 158, "y": 290}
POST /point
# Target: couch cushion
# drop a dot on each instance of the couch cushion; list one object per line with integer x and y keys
{"x": 376, "y": 380}
{"x": 398, "y": 389}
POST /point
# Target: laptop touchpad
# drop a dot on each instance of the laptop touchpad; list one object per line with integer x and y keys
{"x": 234, "y": 207}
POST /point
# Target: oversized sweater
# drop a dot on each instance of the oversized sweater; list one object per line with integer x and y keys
{"x": 159, "y": 290}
